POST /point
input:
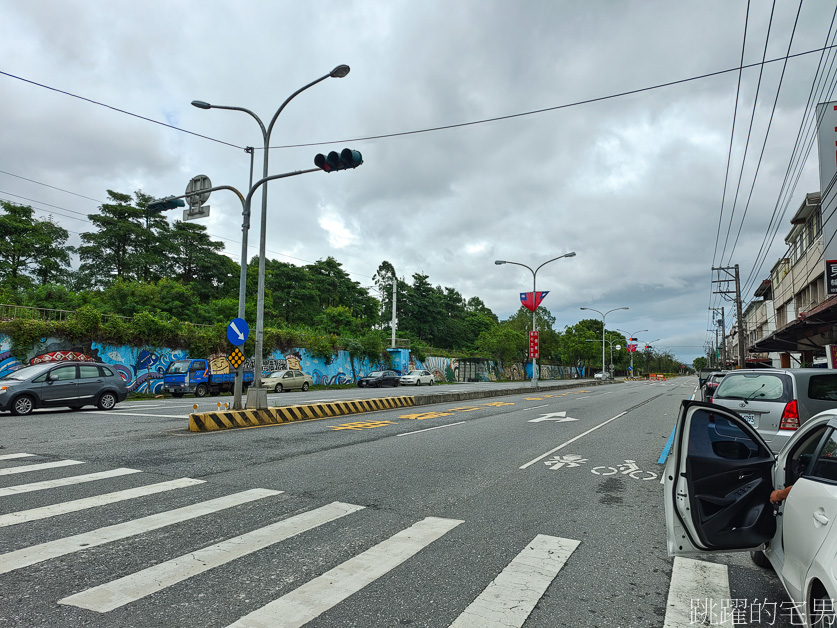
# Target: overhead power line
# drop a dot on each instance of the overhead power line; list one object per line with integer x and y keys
{"x": 437, "y": 128}
{"x": 127, "y": 113}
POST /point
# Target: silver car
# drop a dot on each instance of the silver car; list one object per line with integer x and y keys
{"x": 61, "y": 384}
{"x": 777, "y": 401}
{"x": 288, "y": 380}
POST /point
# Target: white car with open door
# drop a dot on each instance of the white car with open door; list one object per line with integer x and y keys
{"x": 718, "y": 481}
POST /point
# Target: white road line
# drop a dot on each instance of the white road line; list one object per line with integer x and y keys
{"x": 320, "y": 594}
{"x": 562, "y": 445}
{"x": 74, "y": 479}
{"x": 13, "y": 456}
{"x": 696, "y": 580}
{"x": 536, "y": 407}
{"x": 111, "y": 595}
{"x": 438, "y": 427}
{"x": 154, "y": 416}
{"x": 39, "y": 467}
{"x": 511, "y": 597}
{"x": 80, "y": 542}
{"x": 45, "y": 512}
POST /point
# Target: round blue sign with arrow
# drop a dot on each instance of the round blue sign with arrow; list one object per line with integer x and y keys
{"x": 237, "y": 331}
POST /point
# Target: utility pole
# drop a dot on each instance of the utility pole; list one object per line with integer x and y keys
{"x": 731, "y": 273}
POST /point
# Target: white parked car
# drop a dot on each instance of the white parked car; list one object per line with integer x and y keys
{"x": 718, "y": 481}
{"x": 417, "y": 378}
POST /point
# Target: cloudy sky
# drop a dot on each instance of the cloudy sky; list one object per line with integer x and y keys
{"x": 632, "y": 179}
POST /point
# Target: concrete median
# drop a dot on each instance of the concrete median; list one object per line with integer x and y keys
{"x": 231, "y": 419}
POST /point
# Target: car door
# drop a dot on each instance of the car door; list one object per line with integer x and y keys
{"x": 90, "y": 382}
{"x": 289, "y": 382}
{"x": 718, "y": 481}
{"x": 60, "y": 387}
{"x": 809, "y": 514}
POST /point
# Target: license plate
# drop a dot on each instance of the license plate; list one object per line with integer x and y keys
{"x": 750, "y": 418}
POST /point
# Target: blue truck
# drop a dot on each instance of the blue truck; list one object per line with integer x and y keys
{"x": 201, "y": 377}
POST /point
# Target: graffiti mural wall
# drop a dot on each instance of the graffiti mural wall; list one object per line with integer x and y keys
{"x": 143, "y": 368}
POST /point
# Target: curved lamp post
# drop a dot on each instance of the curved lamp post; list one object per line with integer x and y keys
{"x": 604, "y": 317}
{"x": 629, "y": 342}
{"x": 259, "y": 398}
{"x": 534, "y": 289}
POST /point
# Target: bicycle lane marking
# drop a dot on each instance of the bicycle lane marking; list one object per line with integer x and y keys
{"x": 572, "y": 440}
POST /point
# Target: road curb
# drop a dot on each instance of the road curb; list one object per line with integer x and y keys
{"x": 232, "y": 419}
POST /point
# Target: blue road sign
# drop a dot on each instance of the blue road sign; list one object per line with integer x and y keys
{"x": 237, "y": 331}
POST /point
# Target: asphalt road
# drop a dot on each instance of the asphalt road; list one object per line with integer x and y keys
{"x": 536, "y": 510}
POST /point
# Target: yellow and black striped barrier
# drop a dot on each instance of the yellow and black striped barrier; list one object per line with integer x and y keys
{"x": 229, "y": 419}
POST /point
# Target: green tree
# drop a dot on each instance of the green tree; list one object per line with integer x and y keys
{"x": 197, "y": 261}
{"x": 114, "y": 250}
{"x": 700, "y": 363}
{"x": 30, "y": 247}
{"x": 504, "y": 344}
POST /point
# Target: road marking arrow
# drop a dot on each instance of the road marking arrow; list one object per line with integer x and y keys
{"x": 559, "y": 417}
{"x": 235, "y": 329}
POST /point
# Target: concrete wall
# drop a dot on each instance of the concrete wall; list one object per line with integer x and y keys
{"x": 143, "y": 368}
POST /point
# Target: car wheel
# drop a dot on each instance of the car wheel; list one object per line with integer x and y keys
{"x": 821, "y": 607}
{"x": 22, "y": 405}
{"x": 277, "y": 388}
{"x": 201, "y": 390}
{"x": 304, "y": 386}
{"x": 76, "y": 407}
{"x": 760, "y": 559}
{"x": 106, "y": 401}
{"x": 430, "y": 383}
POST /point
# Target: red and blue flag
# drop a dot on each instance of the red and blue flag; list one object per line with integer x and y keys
{"x": 531, "y": 300}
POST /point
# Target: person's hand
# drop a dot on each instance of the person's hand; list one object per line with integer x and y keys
{"x": 777, "y": 497}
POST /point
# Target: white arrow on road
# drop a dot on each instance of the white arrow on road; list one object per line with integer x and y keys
{"x": 560, "y": 417}
{"x": 235, "y": 329}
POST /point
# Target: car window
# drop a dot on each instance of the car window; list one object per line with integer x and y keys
{"x": 714, "y": 436}
{"x": 287, "y": 375}
{"x": 63, "y": 373}
{"x": 755, "y": 386}
{"x": 823, "y": 387}
{"x": 176, "y": 368}
{"x": 105, "y": 371}
{"x": 800, "y": 457}
{"x": 825, "y": 466}
{"x": 375, "y": 374}
{"x": 28, "y": 371}
{"x": 88, "y": 371}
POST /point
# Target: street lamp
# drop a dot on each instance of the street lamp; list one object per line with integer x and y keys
{"x": 630, "y": 336}
{"x": 604, "y": 317}
{"x": 259, "y": 398}
{"x": 534, "y": 290}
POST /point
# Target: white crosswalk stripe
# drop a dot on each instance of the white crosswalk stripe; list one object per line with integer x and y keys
{"x": 45, "y": 512}
{"x": 694, "y": 580}
{"x": 68, "y": 481}
{"x": 80, "y": 542}
{"x": 15, "y": 456}
{"x": 114, "y": 594}
{"x": 512, "y": 596}
{"x": 38, "y": 467}
{"x": 318, "y": 595}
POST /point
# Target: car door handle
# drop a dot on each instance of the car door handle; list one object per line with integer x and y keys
{"x": 819, "y": 517}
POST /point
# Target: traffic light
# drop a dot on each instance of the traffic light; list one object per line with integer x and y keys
{"x": 164, "y": 204}
{"x": 344, "y": 160}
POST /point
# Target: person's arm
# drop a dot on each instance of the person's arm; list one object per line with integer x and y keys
{"x": 780, "y": 496}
